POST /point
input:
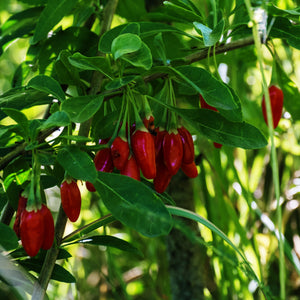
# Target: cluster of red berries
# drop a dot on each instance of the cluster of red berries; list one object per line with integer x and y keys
{"x": 156, "y": 153}
{"x": 35, "y": 227}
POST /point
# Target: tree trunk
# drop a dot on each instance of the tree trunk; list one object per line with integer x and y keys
{"x": 189, "y": 267}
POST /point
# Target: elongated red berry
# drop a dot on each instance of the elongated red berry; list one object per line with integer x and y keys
{"x": 90, "y": 187}
{"x": 32, "y": 231}
{"x": 21, "y": 207}
{"x": 103, "y": 160}
{"x": 163, "y": 177}
{"x": 48, "y": 227}
{"x": 70, "y": 199}
{"x": 149, "y": 122}
{"x": 158, "y": 142}
{"x": 276, "y": 100}
{"x": 120, "y": 152}
{"x": 142, "y": 144}
{"x": 188, "y": 145}
{"x": 173, "y": 151}
{"x": 190, "y": 170}
{"x": 131, "y": 169}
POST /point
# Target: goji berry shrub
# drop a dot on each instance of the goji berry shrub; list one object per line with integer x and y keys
{"x": 110, "y": 102}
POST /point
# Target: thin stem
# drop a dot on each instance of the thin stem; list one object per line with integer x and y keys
{"x": 274, "y": 163}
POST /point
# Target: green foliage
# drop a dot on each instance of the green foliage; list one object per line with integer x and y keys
{"x": 76, "y": 74}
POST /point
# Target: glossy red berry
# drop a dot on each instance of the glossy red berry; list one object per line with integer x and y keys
{"x": 163, "y": 177}
{"x": 149, "y": 123}
{"x": 120, "y": 152}
{"x": 276, "y": 100}
{"x": 21, "y": 207}
{"x": 131, "y": 169}
{"x": 103, "y": 160}
{"x": 188, "y": 145}
{"x": 142, "y": 144}
{"x": 173, "y": 151}
{"x": 158, "y": 142}
{"x": 90, "y": 187}
{"x": 48, "y": 227}
{"x": 32, "y": 231}
{"x": 190, "y": 170}
{"x": 70, "y": 199}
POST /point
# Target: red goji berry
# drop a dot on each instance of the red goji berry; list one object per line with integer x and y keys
{"x": 173, "y": 151}
{"x": 70, "y": 199}
{"x": 188, "y": 145}
{"x": 276, "y": 101}
{"x": 48, "y": 227}
{"x": 142, "y": 144}
{"x": 131, "y": 169}
{"x": 190, "y": 170}
{"x": 120, "y": 152}
{"x": 32, "y": 231}
{"x": 21, "y": 207}
{"x": 163, "y": 177}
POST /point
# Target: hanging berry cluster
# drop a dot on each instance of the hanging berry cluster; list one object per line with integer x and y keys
{"x": 141, "y": 148}
{"x": 34, "y": 223}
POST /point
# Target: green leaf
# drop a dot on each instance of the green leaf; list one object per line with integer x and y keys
{"x": 64, "y": 71}
{"x": 215, "y": 93}
{"x": 81, "y": 232}
{"x": 59, "y": 273}
{"x": 20, "y": 98}
{"x": 48, "y": 85}
{"x": 215, "y": 127}
{"x": 58, "y": 119}
{"x": 82, "y": 108}
{"x": 290, "y": 93}
{"x": 91, "y": 63}
{"x": 104, "y": 126}
{"x": 18, "y": 25}
{"x": 284, "y": 29}
{"x": 210, "y": 37}
{"x": 133, "y": 28}
{"x": 19, "y": 118}
{"x": 109, "y": 241}
{"x": 141, "y": 58}
{"x": 119, "y": 82}
{"x": 77, "y": 163}
{"x": 181, "y": 13}
{"x": 54, "y": 11}
{"x": 124, "y": 44}
{"x": 8, "y": 238}
{"x": 134, "y": 204}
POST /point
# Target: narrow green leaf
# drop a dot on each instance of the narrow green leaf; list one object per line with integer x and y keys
{"x": 82, "y": 108}
{"x": 91, "y": 63}
{"x": 8, "y": 238}
{"x": 19, "y": 118}
{"x": 54, "y": 11}
{"x": 119, "y": 82}
{"x": 48, "y": 85}
{"x": 109, "y": 241}
{"x": 181, "y": 212}
{"x": 134, "y": 204}
{"x": 81, "y": 232}
{"x": 77, "y": 163}
{"x": 20, "y": 98}
{"x": 210, "y": 37}
{"x": 58, "y": 119}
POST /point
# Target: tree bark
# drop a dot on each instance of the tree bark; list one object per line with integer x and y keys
{"x": 189, "y": 267}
